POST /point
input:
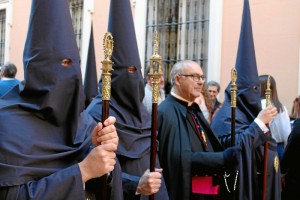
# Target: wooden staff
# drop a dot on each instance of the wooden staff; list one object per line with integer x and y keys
{"x": 233, "y": 90}
{"x": 265, "y": 167}
{"x": 108, "y": 45}
{"x": 154, "y": 73}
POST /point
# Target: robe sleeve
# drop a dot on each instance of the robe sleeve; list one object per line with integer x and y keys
{"x": 208, "y": 159}
{"x": 63, "y": 184}
{"x": 130, "y": 183}
{"x": 252, "y": 134}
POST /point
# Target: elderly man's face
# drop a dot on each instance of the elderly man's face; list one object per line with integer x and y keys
{"x": 190, "y": 82}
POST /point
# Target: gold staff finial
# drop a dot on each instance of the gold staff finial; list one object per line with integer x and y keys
{"x": 155, "y": 69}
{"x": 268, "y": 91}
{"x": 233, "y": 87}
{"x": 108, "y": 45}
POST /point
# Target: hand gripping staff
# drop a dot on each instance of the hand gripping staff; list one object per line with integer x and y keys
{"x": 108, "y": 45}
{"x": 265, "y": 167}
{"x": 154, "y": 73}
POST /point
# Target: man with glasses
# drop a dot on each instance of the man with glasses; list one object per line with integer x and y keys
{"x": 191, "y": 155}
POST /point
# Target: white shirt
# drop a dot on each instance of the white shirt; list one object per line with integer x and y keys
{"x": 280, "y": 126}
{"x": 204, "y": 110}
{"x": 147, "y": 101}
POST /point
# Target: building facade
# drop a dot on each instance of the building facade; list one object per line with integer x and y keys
{"x": 206, "y": 31}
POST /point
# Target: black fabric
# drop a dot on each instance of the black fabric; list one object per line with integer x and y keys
{"x": 217, "y": 104}
{"x": 248, "y": 135}
{"x": 232, "y": 157}
{"x": 90, "y": 80}
{"x": 290, "y": 164}
{"x": 44, "y": 130}
{"x": 127, "y": 92}
{"x": 180, "y": 150}
{"x": 124, "y": 36}
{"x": 52, "y": 92}
{"x": 198, "y": 129}
{"x": 134, "y": 134}
{"x": 49, "y": 104}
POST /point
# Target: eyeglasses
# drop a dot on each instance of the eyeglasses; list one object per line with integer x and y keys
{"x": 195, "y": 77}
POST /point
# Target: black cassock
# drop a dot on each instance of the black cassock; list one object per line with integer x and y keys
{"x": 181, "y": 152}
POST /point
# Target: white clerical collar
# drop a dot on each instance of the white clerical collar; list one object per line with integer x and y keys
{"x": 181, "y": 98}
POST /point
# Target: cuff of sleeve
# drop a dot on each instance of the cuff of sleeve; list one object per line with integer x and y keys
{"x": 261, "y": 125}
{"x": 130, "y": 183}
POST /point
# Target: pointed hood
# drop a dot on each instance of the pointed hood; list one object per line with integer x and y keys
{"x": 48, "y": 107}
{"x": 52, "y": 64}
{"x": 90, "y": 80}
{"x": 247, "y": 80}
{"x": 127, "y": 89}
{"x": 122, "y": 28}
{"x": 248, "y": 94}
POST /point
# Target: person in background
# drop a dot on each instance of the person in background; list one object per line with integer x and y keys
{"x": 189, "y": 151}
{"x": 8, "y": 77}
{"x": 290, "y": 163}
{"x": 213, "y": 89}
{"x": 280, "y": 126}
{"x": 147, "y": 101}
{"x": 294, "y": 113}
{"x": 205, "y": 103}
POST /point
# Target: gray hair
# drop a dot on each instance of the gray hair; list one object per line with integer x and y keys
{"x": 178, "y": 68}
{"x": 214, "y": 83}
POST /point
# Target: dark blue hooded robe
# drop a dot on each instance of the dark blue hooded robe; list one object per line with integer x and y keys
{"x": 90, "y": 80}
{"x": 44, "y": 130}
{"x": 248, "y": 134}
{"x": 127, "y": 93}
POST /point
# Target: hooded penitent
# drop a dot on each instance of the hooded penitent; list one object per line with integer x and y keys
{"x": 127, "y": 93}
{"x": 44, "y": 127}
{"x": 248, "y": 93}
{"x": 90, "y": 80}
{"x": 127, "y": 89}
{"x": 247, "y": 109}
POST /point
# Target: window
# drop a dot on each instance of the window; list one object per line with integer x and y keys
{"x": 2, "y": 35}
{"x": 76, "y": 9}
{"x": 182, "y": 27}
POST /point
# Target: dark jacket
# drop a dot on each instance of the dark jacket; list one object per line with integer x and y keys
{"x": 290, "y": 163}
{"x": 175, "y": 148}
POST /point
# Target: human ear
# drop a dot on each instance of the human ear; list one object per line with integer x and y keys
{"x": 177, "y": 80}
